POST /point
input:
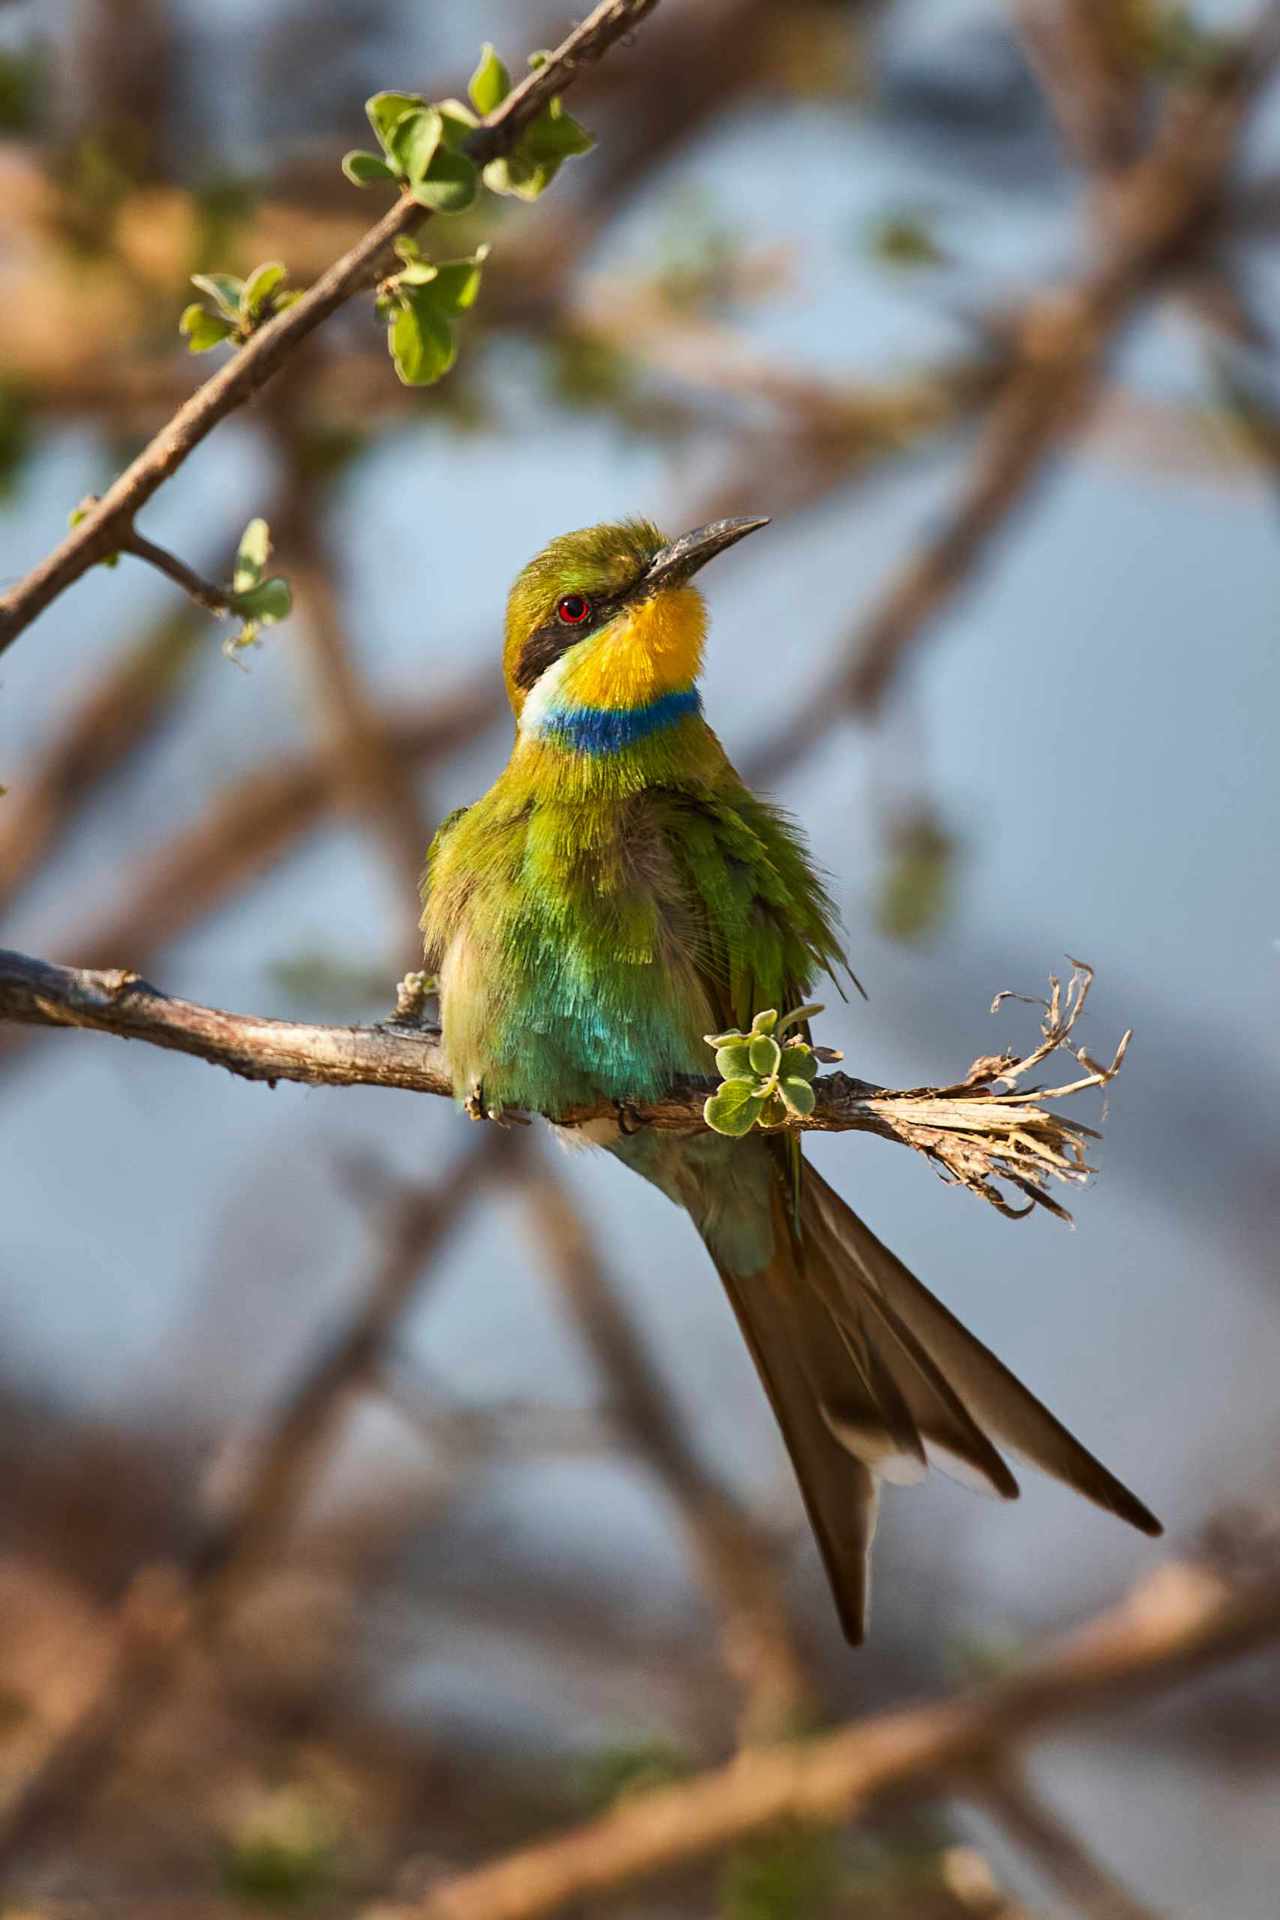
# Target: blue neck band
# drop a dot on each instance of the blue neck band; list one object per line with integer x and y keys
{"x": 609, "y": 730}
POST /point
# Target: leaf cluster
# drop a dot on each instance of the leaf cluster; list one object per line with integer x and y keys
{"x": 420, "y": 304}
{"x": 423, "y": 145}
{"x": 260, "y": 600}
{"x": 766, "y": 1080}
{"x": 239, "y": 307}
{"x": 421, "y": 151}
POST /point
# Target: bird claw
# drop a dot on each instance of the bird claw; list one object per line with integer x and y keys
{"x": 477, "y": 1108}
{"x": 629, "y": 1121}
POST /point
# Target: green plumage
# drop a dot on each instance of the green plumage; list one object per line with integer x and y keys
{"x": 607, "y": 932}
{"x": 615, "y": 897}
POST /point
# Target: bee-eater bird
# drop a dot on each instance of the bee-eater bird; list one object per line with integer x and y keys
{"x": 617, "y": 896}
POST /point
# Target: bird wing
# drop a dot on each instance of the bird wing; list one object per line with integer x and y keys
{"x": 754, "y": 912}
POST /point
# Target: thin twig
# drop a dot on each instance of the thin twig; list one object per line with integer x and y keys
{"x": 214, "y": 600}
{"x": 1180, "y": 1622}
{"x": 103, "y": 528}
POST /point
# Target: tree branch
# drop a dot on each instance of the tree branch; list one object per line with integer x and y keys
{"x": 169, "y": 1606}
{"x": 104, "y": 527}
{"x": 214, "y": 600}
{"x": 1181, "y": 1621}
{"x": 1062, "y": 336}
{"x": 974, "y": 1135}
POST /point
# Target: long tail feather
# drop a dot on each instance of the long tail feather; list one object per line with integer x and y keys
{"x": 791, "y": 1341}
{"x": 995, "y": 1398}
{"x": 870, "y": 1378}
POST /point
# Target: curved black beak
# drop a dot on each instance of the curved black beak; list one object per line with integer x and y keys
{"x": 672, "y": 565}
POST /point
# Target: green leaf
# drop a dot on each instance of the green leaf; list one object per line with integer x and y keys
{"x": 723, "y": 1039}
{"x": 798, "y": 1062}
{"x": 385, "y": 109}
{"x": 518, "y": 176}
{"x": 490, "y": 84}
{"x": 533, "y": 163}
{"x": 764, "y": 1022}
{"x": 413, "y": 140}
{"x": 764, "y": 1054}
{"x": 798, "y": 1094}
{"x": 251, "y": 557}
{"x": 418, "y": 273}
{"x": 449, "y": 184}
{"x": 267, "y": 603}
{"x": 202, "y": 328}
{"x": 224, "y": 290}
{"x": 799, "y": 1015}
{"x": 734, "y": 1061}
{"x": 556, "y": 135}
{"x": 259, "y": 287}
{"x": 733, "y": 1108}
{"x": 457, "y": 282}
{"x": 421, "y": 341}
{"x": 365, "y": 169}
{"x": 459, "y": 122}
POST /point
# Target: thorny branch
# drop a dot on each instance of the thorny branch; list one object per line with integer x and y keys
{"x": 974, "y": 1135}
{"x": 106, "y": 525}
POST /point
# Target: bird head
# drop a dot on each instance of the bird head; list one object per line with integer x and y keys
{"x": 607, "y": 619}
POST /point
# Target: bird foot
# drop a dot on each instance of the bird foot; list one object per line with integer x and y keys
{"x": 476, "y": 1107}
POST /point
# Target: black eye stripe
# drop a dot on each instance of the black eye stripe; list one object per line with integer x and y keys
{"x": 541, "y": 650}
{"x": 546, "y": 643}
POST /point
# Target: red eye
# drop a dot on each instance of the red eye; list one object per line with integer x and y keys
{"x": 573, "y": 610}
